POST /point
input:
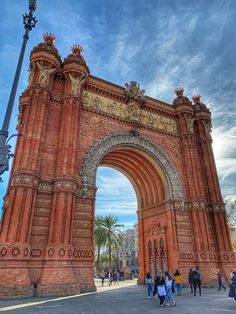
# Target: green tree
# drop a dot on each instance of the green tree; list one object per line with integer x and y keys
{"x": 99, "y": 238}
{"x": 112, "y": 232}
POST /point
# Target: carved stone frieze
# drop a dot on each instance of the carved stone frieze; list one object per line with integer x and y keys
{"x": 25, "y": 179}
{"x": 45, "y": 187}
{"x": 129, "y": 112}
{"x": 86, "y": 191}
{"x": 177, "y": 204}
{"x": 116, "y": 139}
{"x": 65, "y": 185}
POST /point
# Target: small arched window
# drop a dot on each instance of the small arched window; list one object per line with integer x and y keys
{"x": 161, "y": 243}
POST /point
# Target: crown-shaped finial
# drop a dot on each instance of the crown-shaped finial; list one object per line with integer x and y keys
{"x": 49, "y": 38}
{"x": 179, "y": 91}
{"x": 196, "y": 98}
{"x": 76, "y": 49}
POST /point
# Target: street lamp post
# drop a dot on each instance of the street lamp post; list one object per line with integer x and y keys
{"x": 29, "y": 22}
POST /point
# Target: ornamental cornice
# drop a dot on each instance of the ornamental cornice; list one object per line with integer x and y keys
{"x": 184, "y": 109}
{"x": 43, "y": 55}
{"x": 202, "y": 115}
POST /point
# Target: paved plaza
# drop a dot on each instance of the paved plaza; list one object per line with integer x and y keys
{"x": 126, "y": 298}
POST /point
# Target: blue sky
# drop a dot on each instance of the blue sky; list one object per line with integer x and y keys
{"x": 161, "y": 44}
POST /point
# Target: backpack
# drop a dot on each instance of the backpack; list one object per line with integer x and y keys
{"x": 197, "y": 275}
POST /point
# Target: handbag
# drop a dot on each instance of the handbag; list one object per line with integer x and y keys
{"x": 161, "y": 290}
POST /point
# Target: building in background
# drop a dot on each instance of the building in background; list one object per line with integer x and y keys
{"x": 128, "y": 256}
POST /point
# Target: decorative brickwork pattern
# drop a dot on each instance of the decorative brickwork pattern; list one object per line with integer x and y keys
{"x": 72, "y": 122}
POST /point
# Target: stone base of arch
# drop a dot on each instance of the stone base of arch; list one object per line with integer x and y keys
{"x": 15, "y": 282}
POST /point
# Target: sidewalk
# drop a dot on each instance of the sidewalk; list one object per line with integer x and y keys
{"x": 125, "y": 298}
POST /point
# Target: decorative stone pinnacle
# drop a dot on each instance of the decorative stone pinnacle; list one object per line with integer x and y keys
{"x": 179, "y": 91}
{"x": 196, "y": 98}
{"x": 76, "y": 49}
{"x": 49, "y": 38}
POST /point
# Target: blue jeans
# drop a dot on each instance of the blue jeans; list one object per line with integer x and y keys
{"x": 178, "y": 287}
{"x": 169, "y": 295}
{"x": 220, "y": 284}
{"x": 150, "y": 291}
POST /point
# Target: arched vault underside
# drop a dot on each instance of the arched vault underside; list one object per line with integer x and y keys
{"x": 147, "y": 178}
{"x": 152, "y": 174}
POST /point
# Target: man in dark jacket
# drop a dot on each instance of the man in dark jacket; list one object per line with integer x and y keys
{"x": 191, "y": 279}
{"x": 197, "y": 281}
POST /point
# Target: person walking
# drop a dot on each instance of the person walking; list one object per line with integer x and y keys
{"x": 115, "y": 277}
{"x": 160, "y": 288}
{"x": 102, "y": 276}
{"x": 220, "y": 279}
{"x": 149, "y": 283}
{"x": 197, "y": 281}
{"x": 110, "y": 277}
{"x": 178, "y": 282}
{"x": 191, "y": 279}
{"x": 232, "y": 287}
{"x": 169, "y": 295}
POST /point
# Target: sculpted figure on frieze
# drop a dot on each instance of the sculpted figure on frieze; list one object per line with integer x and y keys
{"x": 44, "y": 73}
{"x": 76, "y": 83}
{"x": 133, "y": 112}
{"x": 31, "y": 76}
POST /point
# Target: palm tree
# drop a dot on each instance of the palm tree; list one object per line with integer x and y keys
{"x": 99, "y": 237}
{"x": 112, "y": 232}
{"x": 118, "y": 246}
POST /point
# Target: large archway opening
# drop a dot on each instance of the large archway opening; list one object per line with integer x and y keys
{"x": 116, "y": 200}
{"x": 152, "y": 181}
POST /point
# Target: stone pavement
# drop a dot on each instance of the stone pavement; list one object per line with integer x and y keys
{"x": 126, "y": 298}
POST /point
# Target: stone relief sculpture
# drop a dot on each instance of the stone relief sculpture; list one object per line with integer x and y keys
{"x": 129, "y": 112}
{"x": 31, "y": 76}
{"x": 190, "y": 121}
{"x": 76, "y": 83}
{"x": 44, "y": 73}
{"x": 207, "y": 126}
{"x": 133, "y": 112}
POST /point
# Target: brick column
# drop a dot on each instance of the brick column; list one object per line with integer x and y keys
{"x": 58, "y": 274}
{"x": 17, "y": 217}
{"x": 194, "y": 187}
{"x": 142, "y": 249}
{"x": 214, "y": 197}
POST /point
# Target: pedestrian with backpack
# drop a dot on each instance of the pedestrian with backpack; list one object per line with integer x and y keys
{"x": 197, "y": 282}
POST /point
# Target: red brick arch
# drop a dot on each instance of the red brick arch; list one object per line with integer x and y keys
{"x": 136, "y": 156}
{"x": 73, "y": 122}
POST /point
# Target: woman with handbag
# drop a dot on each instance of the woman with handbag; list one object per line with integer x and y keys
{"x": 160, "y": 288}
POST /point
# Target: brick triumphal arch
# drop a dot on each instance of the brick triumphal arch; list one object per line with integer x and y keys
{"x": 71, "y": 122}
